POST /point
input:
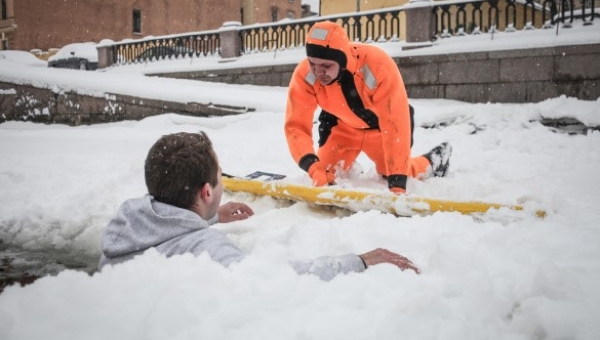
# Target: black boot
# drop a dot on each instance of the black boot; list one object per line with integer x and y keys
{"x": 439, "y": 157}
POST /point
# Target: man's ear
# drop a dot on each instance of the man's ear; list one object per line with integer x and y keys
{"x": 205, "y": 194}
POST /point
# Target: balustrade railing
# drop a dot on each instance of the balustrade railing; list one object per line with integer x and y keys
{"x": 452, "y": 18}
{"x": 170, "y": 47}
{"x": 475, "y": 17}
{"x": 383, "y": 25}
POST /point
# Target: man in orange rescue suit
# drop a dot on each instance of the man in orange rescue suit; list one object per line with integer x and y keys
{"x": 364, "y": 109}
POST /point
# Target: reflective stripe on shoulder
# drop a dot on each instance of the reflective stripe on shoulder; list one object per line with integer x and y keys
{"x": 369, "y": 77}
{"x": 310, "y": 78}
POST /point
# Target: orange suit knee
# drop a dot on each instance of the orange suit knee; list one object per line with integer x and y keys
{"x": 341, "y": 148}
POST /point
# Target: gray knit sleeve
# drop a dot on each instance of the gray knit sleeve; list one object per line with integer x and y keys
{"x": 327, "y": 267}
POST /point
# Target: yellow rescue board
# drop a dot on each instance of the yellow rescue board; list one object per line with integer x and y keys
{"x": 360, "y": 200}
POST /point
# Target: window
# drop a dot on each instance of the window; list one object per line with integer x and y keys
{"x": 4, "y": 14}
{"x": 4, "y": 45}
{"x": 137, "y": 21}
{"x": 291, "y": 1}
{"x": 290, "y": 15}
{"x": 273, "y": 14}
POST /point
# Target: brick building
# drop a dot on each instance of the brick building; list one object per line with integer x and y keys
{"x": 7, "y": 23}
{"x": 45, "y": 24}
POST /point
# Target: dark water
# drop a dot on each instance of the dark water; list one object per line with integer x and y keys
{"x": 24, "y": 266}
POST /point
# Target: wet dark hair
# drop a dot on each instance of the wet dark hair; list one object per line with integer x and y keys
{"x": 178, "y": 165}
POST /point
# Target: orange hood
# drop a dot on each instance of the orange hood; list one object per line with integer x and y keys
{"x": 328, "y": 40}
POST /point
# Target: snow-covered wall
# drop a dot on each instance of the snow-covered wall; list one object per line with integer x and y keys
{"x": 500, "y": 76}
{"x": 30, "y": 103}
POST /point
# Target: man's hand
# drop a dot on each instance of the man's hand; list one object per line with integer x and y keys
{"x": 380, "y": 255}
{"x": 320, "y": 175}
{"x": 398, "y": 191}
{"x": 234, "y": 211}
{"x": 397, "y": 184}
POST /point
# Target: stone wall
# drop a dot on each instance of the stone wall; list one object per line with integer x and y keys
{"x": 29, "y": 103}
{"x": 510, "y": 76}
{"x": 277, "y": 75}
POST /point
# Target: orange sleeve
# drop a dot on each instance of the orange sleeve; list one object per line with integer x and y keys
{"x": 391, "y": 105}
{"x": 299, "y": 113}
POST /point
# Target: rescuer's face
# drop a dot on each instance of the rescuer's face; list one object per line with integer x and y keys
{"x": 326, "y": 70}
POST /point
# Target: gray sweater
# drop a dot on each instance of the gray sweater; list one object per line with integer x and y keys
{"x": 144, "y": 223}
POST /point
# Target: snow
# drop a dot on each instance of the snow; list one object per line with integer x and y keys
{"x": 85, "y": 50}
{"x": 22, "y": 57}
{"x": 503, "y": 275}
